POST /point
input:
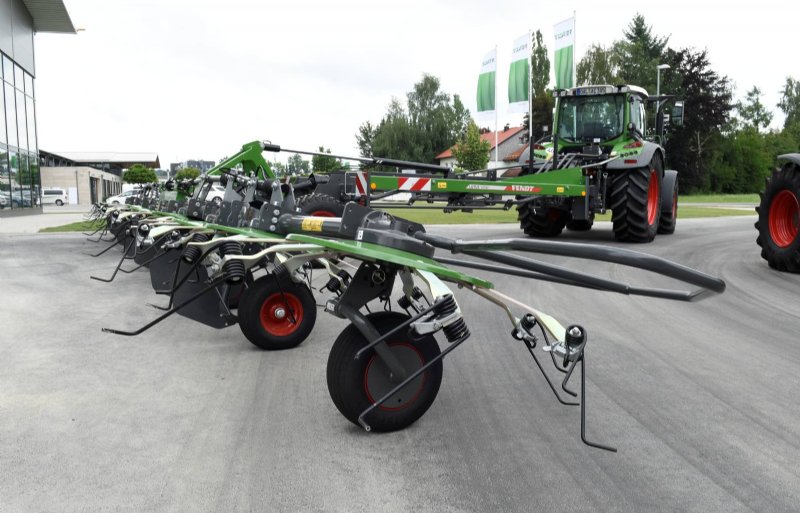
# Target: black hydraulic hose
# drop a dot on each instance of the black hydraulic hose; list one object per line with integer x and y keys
{"x": 482, "y": 249}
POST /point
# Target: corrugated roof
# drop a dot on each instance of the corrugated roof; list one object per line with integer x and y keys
{"x": 502, "y": 136}
{"x": 50, "y": 16}
{"x": 99, "y": 157}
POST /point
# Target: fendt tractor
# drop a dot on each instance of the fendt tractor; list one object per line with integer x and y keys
{"x": 604, "y": 161}
{"x": 778, "y": 222}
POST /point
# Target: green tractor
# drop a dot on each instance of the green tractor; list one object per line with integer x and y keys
{"x": 602, "y": 131}
{"x": 778, "y": 222}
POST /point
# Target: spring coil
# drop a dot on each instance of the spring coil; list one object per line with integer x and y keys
{"x": 456, "y": 331}
{"x": 234, "y": 270}
{"x": 446, "y": 306}
{"x": 192, "y": 253}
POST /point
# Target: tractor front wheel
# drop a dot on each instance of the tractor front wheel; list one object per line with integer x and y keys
{"x": 541, "y": 222}
{"x": 636, "y": 203}
{"x": 355, "y": 384}
{"x": 276, "y": 313}
{"x": 778, "y": 222}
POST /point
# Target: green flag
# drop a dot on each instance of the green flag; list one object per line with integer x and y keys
{"x": 564, "y": 49}
{"x": 486, "y": 82}
{"x": 518, "y": 79}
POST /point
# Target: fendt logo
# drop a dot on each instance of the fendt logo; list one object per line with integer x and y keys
{"x": 563, "y": 34}
{"x": 520, "y": 48}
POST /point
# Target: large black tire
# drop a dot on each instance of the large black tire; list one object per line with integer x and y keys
{"x": 355, "y": 385}
{"x": 276, "y": 313}
{"x": 778, "y": 222}
{"x": 320, "y": 205}
{"x": 669, "y": 212}
{"x": 581, "y": 225}
{"x": 636, "y": 202}
{"x": 541, "y": 222}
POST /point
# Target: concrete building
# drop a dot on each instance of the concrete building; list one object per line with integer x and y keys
{"x": 90, "y": 177}
{"x": 20, "y": 187}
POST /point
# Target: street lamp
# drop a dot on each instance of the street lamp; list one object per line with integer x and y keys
{"x": 658, "y": 77}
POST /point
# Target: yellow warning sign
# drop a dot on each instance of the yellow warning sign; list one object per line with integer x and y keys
{"x": 559, "y": 189}
{"x": 441, "y": 185}
{"x": 312, "y": 224}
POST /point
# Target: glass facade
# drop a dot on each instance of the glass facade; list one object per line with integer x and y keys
{"x": 20, "y": 181}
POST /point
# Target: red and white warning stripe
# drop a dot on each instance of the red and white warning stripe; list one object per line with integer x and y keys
{"x": 414, "y": 184}
{"x": 361, "y": 183}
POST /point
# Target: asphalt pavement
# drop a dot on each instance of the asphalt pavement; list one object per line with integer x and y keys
{"x": 700, "y": 398}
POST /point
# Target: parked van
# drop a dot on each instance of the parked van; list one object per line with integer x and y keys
{"x": 54, "y": 196}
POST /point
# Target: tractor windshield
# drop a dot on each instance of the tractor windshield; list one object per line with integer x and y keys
{"x": 586, "y": 118}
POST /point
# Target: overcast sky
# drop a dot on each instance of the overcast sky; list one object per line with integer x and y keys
{"x": 195, "y": 79}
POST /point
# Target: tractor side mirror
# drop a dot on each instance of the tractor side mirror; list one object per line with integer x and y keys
{"x": 677, "y": 114}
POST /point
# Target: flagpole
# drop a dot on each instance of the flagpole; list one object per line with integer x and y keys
{"x": 530, "y": 99}
{"x": 574, "y": 47}
{"x": 496, "y": 108}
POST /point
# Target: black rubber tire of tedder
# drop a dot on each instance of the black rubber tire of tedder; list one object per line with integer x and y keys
{"x": 355, "y": 384}
{"x": 541, "y": 222}
{"x": 276, "y": 313}
{"x": 636, "y": 202}
{"x": 778, "y": 222}
{"x": 320, "y": 205}
{"x": 581, "y": 225}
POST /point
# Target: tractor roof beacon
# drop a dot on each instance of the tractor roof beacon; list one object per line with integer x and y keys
{"x": 601, "y": 130}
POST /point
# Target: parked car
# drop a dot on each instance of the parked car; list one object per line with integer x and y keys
{"x": 54, "y": 196}
{"x": 216, "y": 194}
{"x": 120, "y": 198}
{"x": 3, "y": 201}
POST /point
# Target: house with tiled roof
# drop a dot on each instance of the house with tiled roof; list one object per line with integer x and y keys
{"x": 509, "y": 140}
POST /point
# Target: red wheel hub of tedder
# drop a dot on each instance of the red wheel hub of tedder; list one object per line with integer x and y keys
{"x": 322, "y": 213}
{"x": 281, "y": 314}
{"x": 783, "y": 218}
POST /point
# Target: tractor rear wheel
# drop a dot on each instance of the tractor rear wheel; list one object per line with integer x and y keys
{"x": 669, "y": 212}
{"x": 276, "y": 313}
{"x": 778, "y": 222}
{"x": 541, "y": 222}
{"x": 320, "y": 205}
{"x": 636, "y": 203}
{"x": 355, "y": 384}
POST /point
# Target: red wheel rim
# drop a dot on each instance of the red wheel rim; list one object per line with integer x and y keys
{"x": 377, "y": 371}
{"x": 322, "y": 213}
{"x": 652, "y": 198}
{"x": 783, "y": 218}
{"x": 276, "y": 319}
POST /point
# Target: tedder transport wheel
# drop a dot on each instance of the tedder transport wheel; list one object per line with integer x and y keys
{"x": 320, "y": 205}
{"x": 355, "y": 385}
{"x": 276, "y": 313}
{"x": 541, "y": 222}
{"x": 779, "y": 220}
{"x": 636, "y": 203}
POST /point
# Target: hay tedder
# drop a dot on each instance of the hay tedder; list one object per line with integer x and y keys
{"x": 251, "y": 261}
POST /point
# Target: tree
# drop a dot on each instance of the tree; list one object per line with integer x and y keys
{"x": 296, "y": 165}
{"x": 754, "y": 114}
{"x": 708, "y": 103}
{"x": 540, "y": 65}
{"x": 139, "y": 174}
{"x": 639, "y": 53}
{"x": 472, "y": 152}
{"x": 429, "y": 123}
{"x": 600, "y": 65}
{"x": 324, "y": 165}
{"x": 790, "y": 102}
{"x": 278, "y": 168}
{"x": 187, "y": 173}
